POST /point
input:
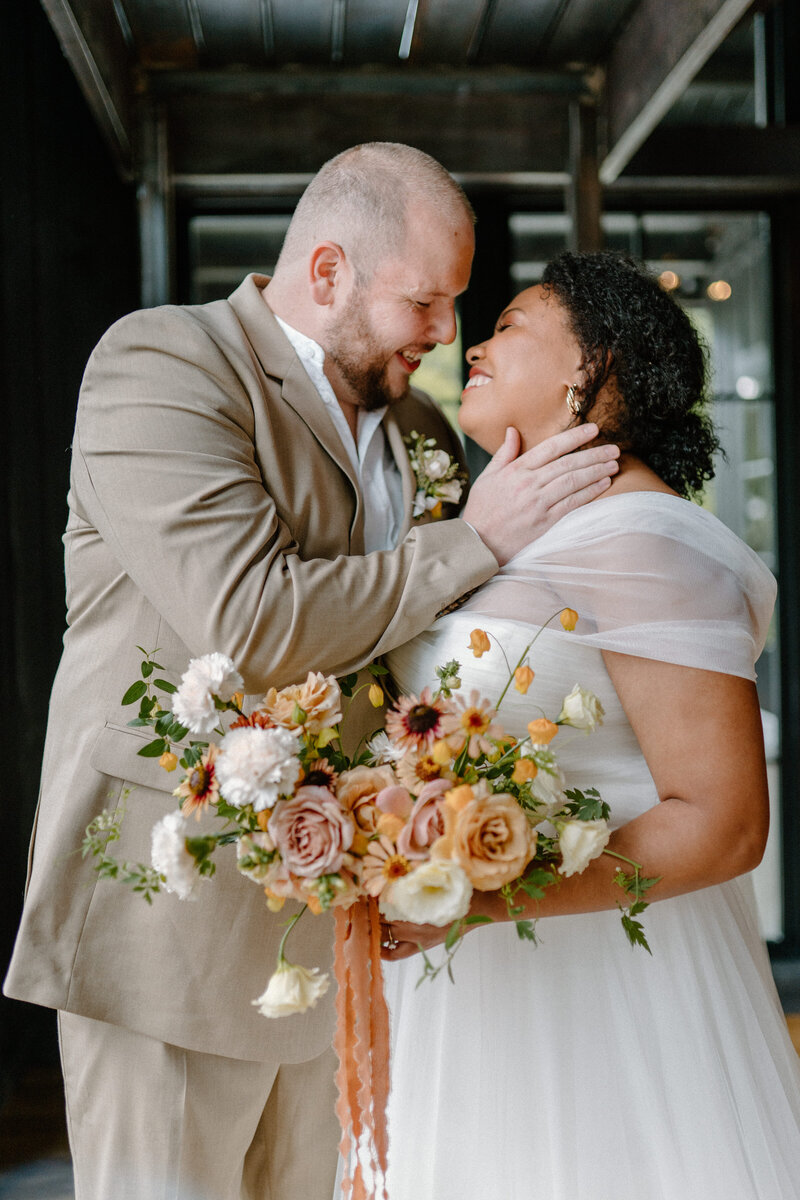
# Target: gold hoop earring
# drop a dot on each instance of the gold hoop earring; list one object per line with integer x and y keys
{"x": 573, "y": 403}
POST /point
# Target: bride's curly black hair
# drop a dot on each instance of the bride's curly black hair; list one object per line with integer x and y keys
{"x": 638, "y": 340}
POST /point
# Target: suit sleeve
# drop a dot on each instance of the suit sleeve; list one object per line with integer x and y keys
{"x": 164, "y": 468}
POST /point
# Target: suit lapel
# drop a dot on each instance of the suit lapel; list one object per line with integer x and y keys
{"x": 394, "y": 435}
{"x": 279, "y": 362}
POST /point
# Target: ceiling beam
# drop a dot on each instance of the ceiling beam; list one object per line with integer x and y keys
{"x": 380, "y": 81}
{"x": 94, "y": 46}
{"x": 656, "y": 56}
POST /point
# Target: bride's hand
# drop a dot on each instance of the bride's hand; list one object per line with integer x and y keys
{"x": 401, "y": 939}
{"x": 517, "y": 497}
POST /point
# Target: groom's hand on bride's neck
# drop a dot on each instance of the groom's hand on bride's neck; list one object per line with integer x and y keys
{"x": 519, "y": 496}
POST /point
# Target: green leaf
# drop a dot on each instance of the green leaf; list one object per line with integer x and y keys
{"x": 635, "y": 932}
{"x": 163, "y": 724}
{"x": 177, "y": 732}
{"x": 477, "y": 919}
{"x": 347, "y": 684}
{"x": 147, "y": 669}
{"x": 164, "y": 686}
{"x": 526, "y": 931}
{"x": 153, "y": 749}
{"x": 139, "y": 721}
{"x": 134, "y": 692}
{"x": 377, "y": 669}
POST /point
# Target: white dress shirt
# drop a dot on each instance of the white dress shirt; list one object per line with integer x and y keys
{"x": 373, "y": 462}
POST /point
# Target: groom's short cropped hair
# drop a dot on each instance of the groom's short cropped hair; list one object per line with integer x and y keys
{"x": 360, "y": 200}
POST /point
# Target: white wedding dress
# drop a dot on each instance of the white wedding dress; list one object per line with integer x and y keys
{"x": 582, "y": 1068}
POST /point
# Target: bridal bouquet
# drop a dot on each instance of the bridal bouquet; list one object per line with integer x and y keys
{"x": 439, "y": 803}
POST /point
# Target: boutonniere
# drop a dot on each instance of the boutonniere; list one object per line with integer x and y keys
{"x": 439, "y": 477}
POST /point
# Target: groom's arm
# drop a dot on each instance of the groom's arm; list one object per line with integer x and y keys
{"x": 165, "y": 467}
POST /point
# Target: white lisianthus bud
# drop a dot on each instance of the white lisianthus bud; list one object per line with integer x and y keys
{"x": 581, "y": 709}
{"x": 292, "y": 989}
{"x": 450, "y": 492}
{"x": 580, "y": 842}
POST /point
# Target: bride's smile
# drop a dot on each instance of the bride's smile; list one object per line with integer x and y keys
{"x": 521, "y": 375}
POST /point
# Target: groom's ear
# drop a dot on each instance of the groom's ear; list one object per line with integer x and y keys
{"x": 328, "y": 269}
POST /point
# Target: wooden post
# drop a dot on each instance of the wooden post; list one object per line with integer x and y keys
{"x": 584, "y": 192}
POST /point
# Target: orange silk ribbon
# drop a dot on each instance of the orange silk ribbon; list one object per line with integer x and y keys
{"x": 362, "y": 1045}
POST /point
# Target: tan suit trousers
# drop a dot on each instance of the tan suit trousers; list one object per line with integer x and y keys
{"x": 151, "y": 1121}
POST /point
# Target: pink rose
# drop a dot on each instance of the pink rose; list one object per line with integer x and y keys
{"x": 312, "y": 832}
{"x": 426, "y": 822}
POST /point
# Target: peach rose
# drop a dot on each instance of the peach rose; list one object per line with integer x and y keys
{"x": 312, "y": 832}
{"x": 425, "y": 823}
{"x": 319, "y": 698}
{"x": 490, "y": 838}
{"x": 357, "y": 789}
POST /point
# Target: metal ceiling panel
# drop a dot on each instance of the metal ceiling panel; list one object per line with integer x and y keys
{"x": 162, "y": 32}
{"x": 235, "y": 32}
{"x": 446, "y": 29}
{"x": 374, "y": 30}
{"x": 585, "y": 30}
{"x": 515, "y": 30}
{"x": 305, "y": 31}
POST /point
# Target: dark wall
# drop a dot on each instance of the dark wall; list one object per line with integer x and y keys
{"x": 68, "y": 247}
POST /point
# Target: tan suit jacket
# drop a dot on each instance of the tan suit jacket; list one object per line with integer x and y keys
{"x": 212, "y": 506}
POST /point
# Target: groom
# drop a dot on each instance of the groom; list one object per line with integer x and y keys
{"x": 239, "y": 483}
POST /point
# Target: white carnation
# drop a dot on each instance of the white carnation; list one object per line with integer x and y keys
{"x": 171, "y": 858}
{"x": 205, "y": 677}
{"x": 580, "y": 842}
{"x": 436, "y": 893}
{"x": 292, "y": 989}
{"x": 581, "y": 709}
{"x": 256, "y": 766}
{"x": 382, "y": 749}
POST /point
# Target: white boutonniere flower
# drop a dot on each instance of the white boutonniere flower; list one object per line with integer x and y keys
{"x": 439, "y": 477}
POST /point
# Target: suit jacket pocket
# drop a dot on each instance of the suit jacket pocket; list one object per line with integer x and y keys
{"x": 115, "y": 754}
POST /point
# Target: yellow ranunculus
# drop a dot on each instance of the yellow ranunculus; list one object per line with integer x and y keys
{"x": 274, "y": 903}
{"x": 568, "y": 618}
{"x": 441, "y": 753}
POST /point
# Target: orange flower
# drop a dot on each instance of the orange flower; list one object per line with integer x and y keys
{"x": 479, "y": 642}
{"x": 168, "y": 760}
{"x": 200, "y": 787}
{"x": 524, "y": 770}
{"x": 523, "y": 678}
{"x": 542, "y": 731}
{"x": 568, "y": 618}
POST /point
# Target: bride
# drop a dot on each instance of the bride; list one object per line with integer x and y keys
{"x": 582, "y": 1069}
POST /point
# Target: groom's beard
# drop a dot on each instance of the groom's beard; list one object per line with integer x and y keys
{"x": 362, "y": 361}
